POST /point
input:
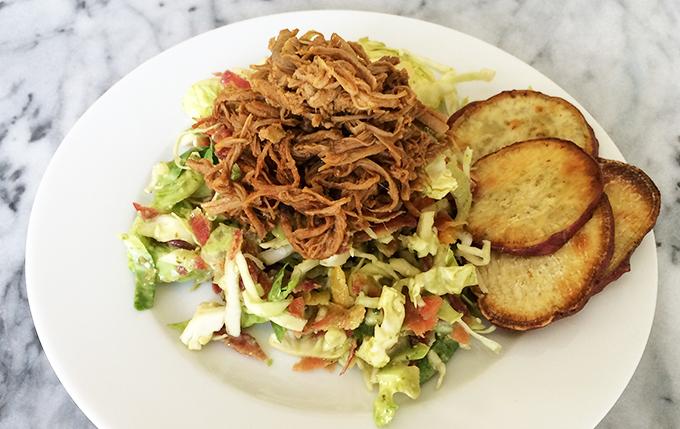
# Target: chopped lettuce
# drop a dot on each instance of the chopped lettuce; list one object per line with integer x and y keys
{"x": 403, "y": 267}
{"x": 229, "y": 283}
{"x": 289, "y": 321}
{"x": 172, "y": 192}
{"x": 248, "y": 320}
{"x": 438, "y": 365}
{"x": 275, "y": 291}
{"x": 278, "y": 241}
{"x": 374, "y": 349}
{"x": 199, "y": 99}
{"x": 332, "y": 345}
{"x": 162, "y": 174}
{"x": 418, "y": 351}
{"x": 424, "y": 242}
{"x": 180, "y": 326}
{"x": 367, "y": 301}
{"x": 443, "y": 176}
{"x": 298, "y": 274}
{"x": 447, "y": 313}
{"x": 443, "y": 348}
{"x": 486, "y": 342}
{"x": 462, "y": 194}
{"x": 279, "y": 331}
{"x": 164, "y": 227}
{"x": 176, "y": 265}
{"x": 394, "y": 379}
{"x": 215, "y": 249}
{"x": 335, "y": 260}
{"x": 208, "y": 319}
{"x": 265, "y": 309}
{"x": 439, "y": 179}
{"x": 274, "y": 255}
{"x": 274, "y": 311}
{"x": 434, "y": 84}
{"x": 475, "y": 255}
{"x": 441, "y": 280}
{"x": 141, "y": 263}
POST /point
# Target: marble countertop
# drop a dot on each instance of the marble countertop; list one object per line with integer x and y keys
{"x": 619, "y": 58}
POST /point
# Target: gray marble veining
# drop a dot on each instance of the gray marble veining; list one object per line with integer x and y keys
{"x": 621, "y": 59}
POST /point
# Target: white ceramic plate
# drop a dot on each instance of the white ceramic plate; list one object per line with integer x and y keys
{"x": 126, "y": 369}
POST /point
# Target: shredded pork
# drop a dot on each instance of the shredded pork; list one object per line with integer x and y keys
{"x": 324, "y": 142}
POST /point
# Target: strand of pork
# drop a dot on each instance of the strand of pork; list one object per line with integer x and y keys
{"x": 327, "y": 143}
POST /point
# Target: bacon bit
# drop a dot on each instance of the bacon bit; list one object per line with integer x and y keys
{"x": 200, "y": 225}
{"x": 422, "y": 319}
{"x": 145, "y": 212}
{"x": 447, "y": 228}
{"x": 181, "y": 244}
{"x": 297, "y": 307}
{"x": 308, "y": 285}
{"x": 220, "y": 134}
{"x": 339, "y": 317}
{"x": 247, "y": 345}
{"x": 421, "y": 202}
{"x": 460, "y": 335}
{"x": 365, "y": 284}
{"x": 200, "y": 264}
{"x": 350, "y": 357}
{"x": 428, "y": 262}
{"x": 390, "y": 227}
{"x": 312, "y": 363}
{"x": 216, "y": 288}
{"x": 458, "y": 304}
{"x": 236, "y": 244}
{"x": 229, "y": 77}
{"x": 182, "y": 271}
{"x": 356, "y": 286}
{"x": 259, "y": 276}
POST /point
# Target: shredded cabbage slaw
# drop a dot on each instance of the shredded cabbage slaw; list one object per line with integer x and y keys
{"x": 386, "y": 307}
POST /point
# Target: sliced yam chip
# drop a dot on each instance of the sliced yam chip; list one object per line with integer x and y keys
{"x": 635, "y": 201}
{"x": 527, "y": 292}
{"x": 512, "y": 116}
{"x": 531, "y": 197}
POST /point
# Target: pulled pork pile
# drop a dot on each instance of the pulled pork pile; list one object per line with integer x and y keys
{"x": 327, "y": 144}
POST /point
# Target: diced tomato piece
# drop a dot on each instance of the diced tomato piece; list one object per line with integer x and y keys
{"x": 145, "y": 212}
{"x": 216, "y": 288}
{"x": 422, "y": 319}
{"x": 311, "y": 363}
{"x": 229, "y": 77}
{"x": 200, "y": 225}
{"x": 297, "y": 307}
{"x": 247, "y": 345}
{"x": 460, "y": 335}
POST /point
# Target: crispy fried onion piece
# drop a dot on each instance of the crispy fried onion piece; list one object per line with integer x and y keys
{"x": 324, "y": 142}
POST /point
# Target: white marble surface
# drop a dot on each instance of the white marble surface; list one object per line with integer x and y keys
{"x": 621, "y": 59}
